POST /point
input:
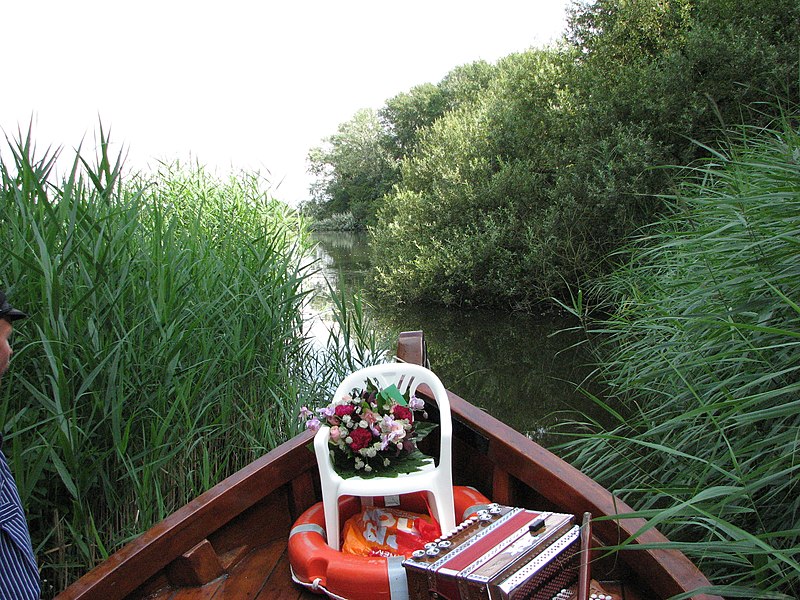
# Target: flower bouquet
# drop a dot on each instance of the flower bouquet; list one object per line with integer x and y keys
{"x": 373, "y": 432}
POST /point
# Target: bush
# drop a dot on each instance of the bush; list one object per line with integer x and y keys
{"x": 337, "y": 222}
{"x": 527, "y": 187}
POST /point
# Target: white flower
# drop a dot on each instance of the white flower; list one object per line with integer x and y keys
{"x": 363, "y": 424}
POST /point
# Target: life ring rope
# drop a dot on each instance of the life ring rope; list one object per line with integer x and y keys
{"x": 316, "y": 586}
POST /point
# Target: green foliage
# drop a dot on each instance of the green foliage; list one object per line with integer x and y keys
{"x": 465, "y": 226}
{"x": 165, "y": 347}
{"x": 550, "y": 162}
{"x": 703, "y": 350}
{"x": 360, "y": 164}
{"x": 405, "y": 115}
{"x": 353, "y": 170}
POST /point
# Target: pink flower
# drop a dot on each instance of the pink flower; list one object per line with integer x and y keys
{"x": 329, "y": 415}
{"x": 398, "y": 432}
{"x": 336, "y": 434}
{"x": 313, "y": 424}
{"x": 393, "y": 432}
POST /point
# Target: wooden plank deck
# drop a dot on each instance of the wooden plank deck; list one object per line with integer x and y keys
{"x": 263, "y": 574}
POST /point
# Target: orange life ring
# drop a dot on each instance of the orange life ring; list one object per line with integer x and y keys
{"x": 317, "y": 566}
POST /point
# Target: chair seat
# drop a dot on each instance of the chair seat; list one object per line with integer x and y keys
{"x": 429, "y": 464}
{"x": 434, "y": 479}
{"x": 402, "y": 484}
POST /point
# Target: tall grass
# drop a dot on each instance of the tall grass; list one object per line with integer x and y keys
{"x": 704, "y": 352}
{"x": 165, "y": 347}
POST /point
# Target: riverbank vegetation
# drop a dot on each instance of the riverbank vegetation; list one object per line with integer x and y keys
{"x": 165, "y": 347}
{"x": 505, "y": 184}
{"x": 702, "y": 353}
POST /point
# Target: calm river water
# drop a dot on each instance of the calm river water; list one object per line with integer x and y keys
{"x": 517, "y": 367}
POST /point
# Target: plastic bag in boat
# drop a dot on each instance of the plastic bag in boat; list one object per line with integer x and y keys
{"x": 378, "y": 531}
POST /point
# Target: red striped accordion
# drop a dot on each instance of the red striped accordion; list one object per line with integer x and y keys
{"x": 502, "y": 553}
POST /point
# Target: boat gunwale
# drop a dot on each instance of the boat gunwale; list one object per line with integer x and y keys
{"x": 668, "y": 571}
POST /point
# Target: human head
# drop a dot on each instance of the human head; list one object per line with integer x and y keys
{"x": 8, "y": 314}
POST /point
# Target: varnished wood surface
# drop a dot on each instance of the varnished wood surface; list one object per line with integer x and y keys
{"x": 263, "y": 574}
{"x": 240, "y": 527}
{"x": 222, "y": 512}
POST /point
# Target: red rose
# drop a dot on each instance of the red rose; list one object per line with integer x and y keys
{"x": 402, "y": 412}
{"x": 344, "y": 409}
{"x": 361, "y": 438}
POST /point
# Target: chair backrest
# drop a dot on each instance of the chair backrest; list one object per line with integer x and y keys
{"x": 407, "y": 377}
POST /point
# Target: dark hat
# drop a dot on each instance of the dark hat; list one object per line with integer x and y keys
{"x": 8, "y": 312}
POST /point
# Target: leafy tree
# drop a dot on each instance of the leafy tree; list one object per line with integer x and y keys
{"x": 530, "y": 182}
{"x": 408, "y": 113}
{"x": 467, "y": 83}
{"x": 683, "y": 69}
{"x": 360, "y": 163}
{"x": 458, "y": 229}
{"x": 353, "y": 169}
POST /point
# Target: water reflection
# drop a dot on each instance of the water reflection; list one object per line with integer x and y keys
{"x": 517, "y": 367}
{"x": 339, "y": 260}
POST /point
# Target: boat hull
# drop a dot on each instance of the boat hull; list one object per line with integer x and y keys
{"x": 217, "y": 543}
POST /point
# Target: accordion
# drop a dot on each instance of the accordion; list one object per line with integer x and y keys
{"x": 502, "y": 553}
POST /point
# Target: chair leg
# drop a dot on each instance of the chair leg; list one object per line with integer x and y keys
{"x": 442, "y": 507}
{"x": 330, "y": 503}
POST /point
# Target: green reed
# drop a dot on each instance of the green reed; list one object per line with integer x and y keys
{"x": 165, "y": 347}
{"x": 704, "y": 354}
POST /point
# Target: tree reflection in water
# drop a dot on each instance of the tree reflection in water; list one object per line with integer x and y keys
{"x": 517, "y": 367}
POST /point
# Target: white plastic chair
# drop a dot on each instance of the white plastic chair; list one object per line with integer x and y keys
{"x": 436, "y": 480}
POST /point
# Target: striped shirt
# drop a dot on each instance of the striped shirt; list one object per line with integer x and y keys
{"x": 19, "y": 576}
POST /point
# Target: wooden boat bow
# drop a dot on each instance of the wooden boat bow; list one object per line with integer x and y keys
{"x": 200, "y": 548}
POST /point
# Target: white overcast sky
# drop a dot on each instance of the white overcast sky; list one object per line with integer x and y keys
{"x": 235, "y": 83}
